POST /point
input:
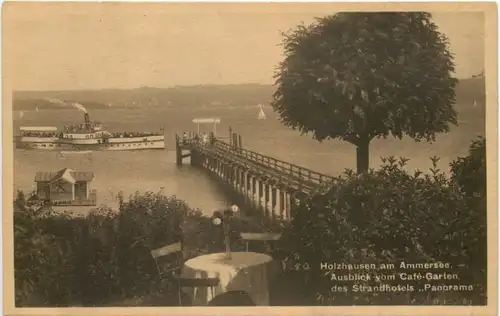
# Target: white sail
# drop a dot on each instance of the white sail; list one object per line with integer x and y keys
{"x": 21, "y": 114}
{"x": 475, "y": 103}
{"x": 262, "y": 115}
{"x": 37, "y": 109}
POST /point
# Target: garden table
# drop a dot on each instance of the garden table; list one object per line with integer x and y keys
{"x": 244, "y": 271}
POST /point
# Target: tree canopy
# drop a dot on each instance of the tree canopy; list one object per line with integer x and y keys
{"x": 359, "y": 76}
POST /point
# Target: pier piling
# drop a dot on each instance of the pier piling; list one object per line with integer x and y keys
{"x": 262, "y": 183}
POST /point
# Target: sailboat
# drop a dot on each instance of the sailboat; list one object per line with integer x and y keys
{"x": 262, "y": 115}
{"x": 475, "y": 103}
{"x": 36, "y": 109}
{"x": 21, "y": 114}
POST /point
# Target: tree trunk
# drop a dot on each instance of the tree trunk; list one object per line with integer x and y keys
{"x": 363, "y": 156}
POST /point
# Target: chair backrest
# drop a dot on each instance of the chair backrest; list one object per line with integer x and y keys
{"x": 265, "y": 237}
{"x": 232, "y": 298}
{"x": 260, "y": 236}
{"x": 197, "y": 282}
{"x": 175, "y": 248}
{"x": 166, "y": 250}
{"x": 183, "y": 282}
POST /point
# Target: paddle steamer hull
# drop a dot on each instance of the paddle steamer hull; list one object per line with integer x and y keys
{"x": 88, "y": 136}
{"x": 114, "y": 144}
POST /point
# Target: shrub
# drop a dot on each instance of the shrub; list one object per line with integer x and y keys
{"x": 469, "y": 174}
{"x": 41, "y": 261}
{"x": 62, "y": 260}
{"x": 390, "y": 216}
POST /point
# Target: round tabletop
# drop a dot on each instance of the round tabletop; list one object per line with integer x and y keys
{"x": 217, "y": 261}
{"x": 244, "y": 271}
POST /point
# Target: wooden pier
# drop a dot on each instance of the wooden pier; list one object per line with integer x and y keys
{"x": 262, "y": 182}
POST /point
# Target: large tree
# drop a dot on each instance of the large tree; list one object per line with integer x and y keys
{"x": 360, "y": 76}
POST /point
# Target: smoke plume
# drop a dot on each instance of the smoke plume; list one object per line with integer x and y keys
{"x": 79, "y": 107}
{"x": 73, "y": 104}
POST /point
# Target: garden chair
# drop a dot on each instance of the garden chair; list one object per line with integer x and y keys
{"x": 262, "y": 237}
{"x": 172, "y": 272}
{"x": 232, "y": 298}
{"x": 164, "y": 266}
{"x": 181, "y": 283}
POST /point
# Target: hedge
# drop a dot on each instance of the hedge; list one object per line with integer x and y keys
{"x": 61, "y": 260}
{"x": 391, "y": 215}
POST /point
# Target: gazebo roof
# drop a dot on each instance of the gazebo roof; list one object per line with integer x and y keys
{"x": 66, "y": 174}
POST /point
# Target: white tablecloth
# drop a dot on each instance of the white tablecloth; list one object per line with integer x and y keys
{"x": 245, "y": 271}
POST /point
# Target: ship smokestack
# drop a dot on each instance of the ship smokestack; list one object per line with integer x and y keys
{"x": 87, "y": 120}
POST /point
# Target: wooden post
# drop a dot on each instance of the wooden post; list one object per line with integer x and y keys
{"x": 240, "y": 181}
{"x": 269, "y": 203}
{"x": 251, "y": 189}
{"x": 178, "y": 151}
{"x": 265, "y": 199}
{"x": 300, "y": 179}
{"x": 257, "y": 193}
{"x": 240, "y": 146}
{"x": 245, "y": 185}
{"x": 193, "y": 158}
{"x": 235, "y": 140}
{"x": 212, "y": 138}
{"x": 230, "y": 135}
{"x": 235, "y": 177}
{"x": 277, "y": 207}
{"x": 288, "y": 203}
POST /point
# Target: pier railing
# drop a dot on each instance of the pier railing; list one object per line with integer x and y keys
{"x": 276, "y": 164}
{"x": 197, "y": 141}
{"x": 225, "y": 147}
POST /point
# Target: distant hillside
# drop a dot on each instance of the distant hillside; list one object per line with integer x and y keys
{"x": 43, "y": 104}
{"x": 188, "y": 96}
{"x": 208, "y": 96}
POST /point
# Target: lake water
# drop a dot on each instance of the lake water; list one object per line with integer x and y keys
{"x": 152, "y": 170}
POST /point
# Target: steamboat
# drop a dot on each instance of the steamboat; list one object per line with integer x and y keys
{"x": 88, "y": 136}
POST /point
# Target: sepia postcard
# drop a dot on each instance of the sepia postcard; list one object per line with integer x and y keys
{"x": 291, "y": 158}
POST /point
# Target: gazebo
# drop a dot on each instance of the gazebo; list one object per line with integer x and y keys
{"x": 65, "y": 185}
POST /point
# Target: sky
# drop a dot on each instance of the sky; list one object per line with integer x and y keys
{"x": 60, "y": 46}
